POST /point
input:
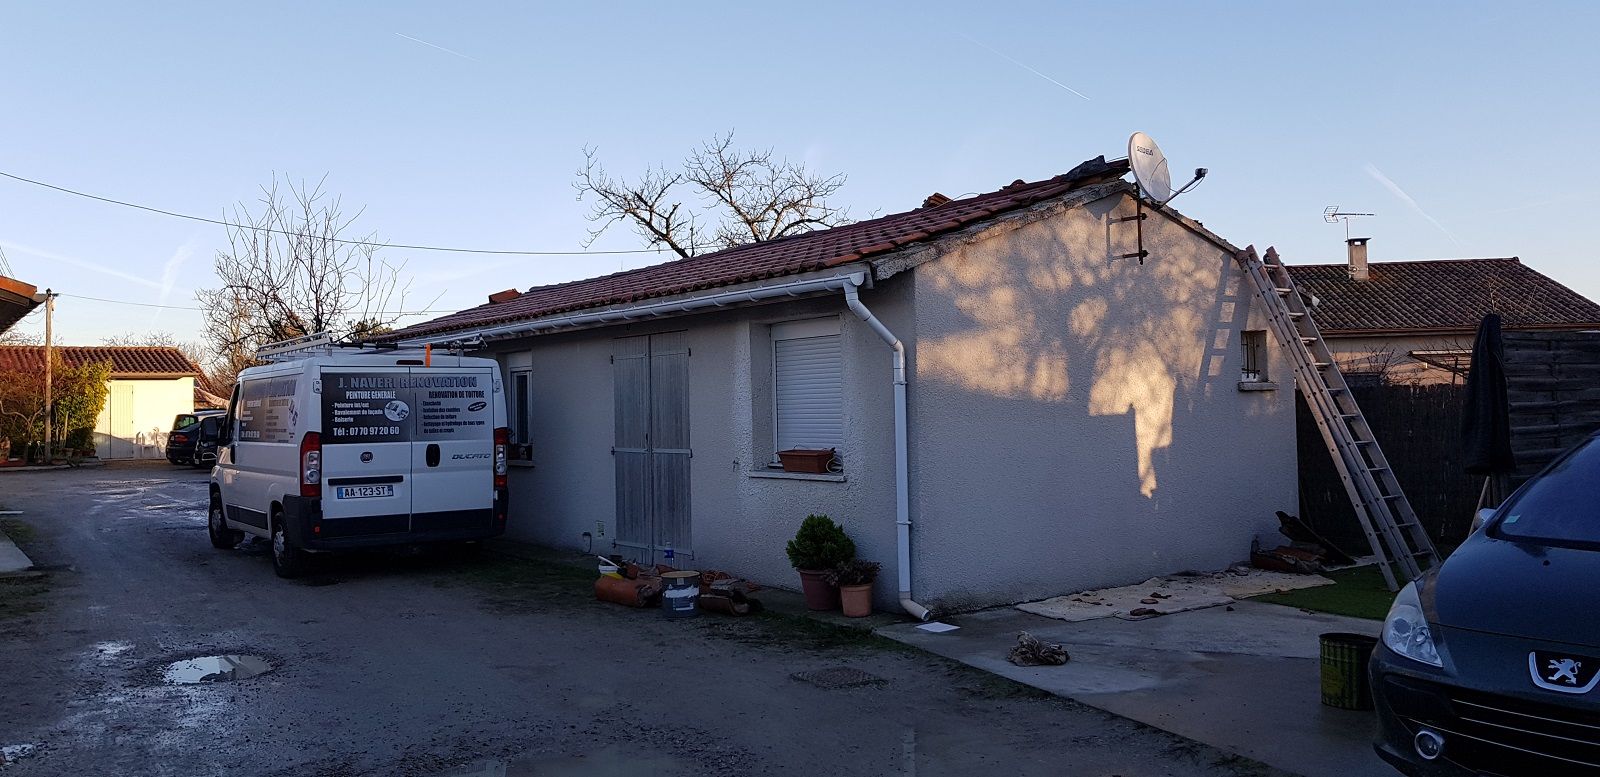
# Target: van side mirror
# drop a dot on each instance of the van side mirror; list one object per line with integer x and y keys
{"x": 1482, "y": 517}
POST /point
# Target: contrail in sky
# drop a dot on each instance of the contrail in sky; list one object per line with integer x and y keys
{"x": 441, "y": 48}
{"x": 1394, "y": 188}
{"x": 1024, "y": 66}
{"x": 82, "y": 264}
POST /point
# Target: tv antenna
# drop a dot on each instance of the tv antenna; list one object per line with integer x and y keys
{"x": 1150, "y": 174}
{"x": 1333, "y": 215}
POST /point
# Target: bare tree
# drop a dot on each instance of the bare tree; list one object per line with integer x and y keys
{"x": 289, "y": 270}
{"x": 745, "y": 197}
{"x": 193, "y": 350}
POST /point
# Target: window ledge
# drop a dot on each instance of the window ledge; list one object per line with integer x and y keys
{"x": 1258, "y": 385}
{"x": 778, "y": 474}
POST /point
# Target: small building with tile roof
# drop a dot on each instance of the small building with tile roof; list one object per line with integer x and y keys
{"x": 149, "y": 386}
{"x": 1415, "y": 321}
{"x": 1074, "y": 414}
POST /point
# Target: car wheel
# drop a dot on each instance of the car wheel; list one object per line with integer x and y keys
{"x": 288, "y": 561}
{"x": 222, "y": 537}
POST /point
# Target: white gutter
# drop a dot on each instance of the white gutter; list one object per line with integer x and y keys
{"x": 902, "y": 470}
{"x": 648, "y": 310}
{"x": 849, "y": 283}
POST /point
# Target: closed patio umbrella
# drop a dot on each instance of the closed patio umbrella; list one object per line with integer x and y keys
{"x": 1486, "y": 415}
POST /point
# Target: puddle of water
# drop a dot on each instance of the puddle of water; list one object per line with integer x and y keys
{"x": 608, "y": 762}
{"x": 213, "y": 669}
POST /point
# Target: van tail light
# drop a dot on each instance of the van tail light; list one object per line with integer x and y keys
{"x": 311, "y": 465}
{"x": 502, "y": 437}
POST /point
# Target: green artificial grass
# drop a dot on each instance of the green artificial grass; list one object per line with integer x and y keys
{"x": 1358, "y": 592}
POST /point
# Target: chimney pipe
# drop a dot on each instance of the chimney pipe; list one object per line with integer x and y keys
{"x": 1358, "y": 258}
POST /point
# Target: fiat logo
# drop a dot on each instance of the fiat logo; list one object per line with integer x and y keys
{"x": 366, "y": 456}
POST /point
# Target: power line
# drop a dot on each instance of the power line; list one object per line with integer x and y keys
{"x": 192, "y": 307}
{"x": 376, "y": 244}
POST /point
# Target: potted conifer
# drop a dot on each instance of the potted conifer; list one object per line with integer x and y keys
{"x": 819, "y": 546}
{"x": 854, "y": 580}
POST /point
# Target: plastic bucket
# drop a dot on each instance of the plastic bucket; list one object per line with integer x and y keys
{"x": 682, "y": 595}
{"x": 1344, "y": 670}
{"x": 610, "y": 570}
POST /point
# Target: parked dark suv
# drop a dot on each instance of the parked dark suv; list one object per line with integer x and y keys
{"x": 1489, "y": 664}
{"x": 186, "y": 443}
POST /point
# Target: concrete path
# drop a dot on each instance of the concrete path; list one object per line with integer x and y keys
{"x": 12, "y": 559}
{"x": 1246, "y": 681}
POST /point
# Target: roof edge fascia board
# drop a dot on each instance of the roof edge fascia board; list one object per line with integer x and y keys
{"x": 1454, "y": 330}
{"x": 722, "y": 297}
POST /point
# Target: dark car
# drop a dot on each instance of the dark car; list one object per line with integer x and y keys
{"x": 183, "y": 442}
{"x": 1488, "y": 664}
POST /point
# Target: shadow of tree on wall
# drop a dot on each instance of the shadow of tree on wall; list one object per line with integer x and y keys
{"x": 1077, "y": 325}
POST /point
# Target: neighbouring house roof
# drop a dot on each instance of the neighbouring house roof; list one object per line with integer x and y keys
{"x": 126, "y": 361}
{"x": 1441, "y": 296}
{"x": 17, "y": 299}
{"x": 806, "y": 252}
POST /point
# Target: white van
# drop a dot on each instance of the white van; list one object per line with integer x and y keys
{"x": 355, "y": 450}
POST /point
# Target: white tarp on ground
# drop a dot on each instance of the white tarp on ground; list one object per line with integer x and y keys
{"x": 1166, "y": 595}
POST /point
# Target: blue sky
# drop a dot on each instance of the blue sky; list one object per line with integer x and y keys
{"x": 1467, "y": 127}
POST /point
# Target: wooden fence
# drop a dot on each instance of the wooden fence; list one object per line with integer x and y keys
{"x": 1419, "y": 428}
{"x": 1553, "y": 387}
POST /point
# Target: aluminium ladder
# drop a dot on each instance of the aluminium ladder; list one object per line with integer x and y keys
{"x": 1396, "y": 536}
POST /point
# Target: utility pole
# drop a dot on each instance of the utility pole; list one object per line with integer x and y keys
{"x": 49, "y": 364}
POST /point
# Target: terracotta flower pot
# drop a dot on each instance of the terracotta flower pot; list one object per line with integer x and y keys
{"x": 819, "y": 595}
{"x": 857, "y": 600}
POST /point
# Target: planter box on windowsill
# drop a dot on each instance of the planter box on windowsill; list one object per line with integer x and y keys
{"x": 815, "y": 462}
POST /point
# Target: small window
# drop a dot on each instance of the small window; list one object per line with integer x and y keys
{"x": 521, "y": 414}
{"x": 1254, "y": 344}
{"x": 808, "y": 385}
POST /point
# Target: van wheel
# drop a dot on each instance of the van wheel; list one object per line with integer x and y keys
{"x": 288, "y": 561}
{"x": 222, "y": 537}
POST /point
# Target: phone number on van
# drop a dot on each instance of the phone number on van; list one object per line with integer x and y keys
{"x": 361, "y": 431}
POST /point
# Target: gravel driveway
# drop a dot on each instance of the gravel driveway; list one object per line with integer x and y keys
{"x": 436, "y": 664}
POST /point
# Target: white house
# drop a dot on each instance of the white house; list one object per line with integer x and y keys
{"x": 149, "y": 385}
{"x": 1021, "y": 405}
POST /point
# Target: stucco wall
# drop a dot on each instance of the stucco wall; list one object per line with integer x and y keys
{"x": 1390, "y": 355}
{"x": 740, "y": 522}
{"x": 138, "y": 414}
{"x": 1076, "y": 417}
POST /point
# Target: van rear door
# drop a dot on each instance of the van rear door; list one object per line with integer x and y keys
{"x": 366, "y": 451}
{"x": 452, "y": 448}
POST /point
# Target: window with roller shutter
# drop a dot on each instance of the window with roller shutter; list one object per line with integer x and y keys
{"x": 808, "y": 385}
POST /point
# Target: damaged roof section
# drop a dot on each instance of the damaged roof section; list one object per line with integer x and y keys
{"x": 792, "y": 255}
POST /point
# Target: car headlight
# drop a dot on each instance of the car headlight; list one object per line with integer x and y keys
{"x": 1406, "y": 632}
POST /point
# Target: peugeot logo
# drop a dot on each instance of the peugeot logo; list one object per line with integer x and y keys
{"x": 1563, "y": 672}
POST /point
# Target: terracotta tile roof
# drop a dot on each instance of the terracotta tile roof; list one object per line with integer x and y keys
{"x": 125, "y": 361}
{"x": 756, "y": 261}
{"x": 1446, "y": 294}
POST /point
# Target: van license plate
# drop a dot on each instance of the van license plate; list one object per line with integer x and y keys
{"x": 362, "y": 492}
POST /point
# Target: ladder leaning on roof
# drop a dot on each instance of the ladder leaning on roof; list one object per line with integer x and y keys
{"x": 1396, "y": 536}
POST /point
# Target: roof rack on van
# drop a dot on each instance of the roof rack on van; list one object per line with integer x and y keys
{"x": 319, "y": 343}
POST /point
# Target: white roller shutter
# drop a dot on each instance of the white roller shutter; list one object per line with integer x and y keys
{"x": 808, "y": 378}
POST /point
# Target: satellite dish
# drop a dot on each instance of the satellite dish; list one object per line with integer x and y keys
{"x": 1149, "y": 167}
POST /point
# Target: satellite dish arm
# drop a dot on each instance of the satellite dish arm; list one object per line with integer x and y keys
{"x": 1199, "y": 175}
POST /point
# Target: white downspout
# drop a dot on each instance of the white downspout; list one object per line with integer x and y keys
{"x": 902, "y": 466}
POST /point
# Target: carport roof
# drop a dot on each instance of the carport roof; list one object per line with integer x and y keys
{"x": 126, "y": 361}
{"x": 17, "y": 299}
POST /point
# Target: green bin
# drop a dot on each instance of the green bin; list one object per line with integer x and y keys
{"x": 1344, "y": 670}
